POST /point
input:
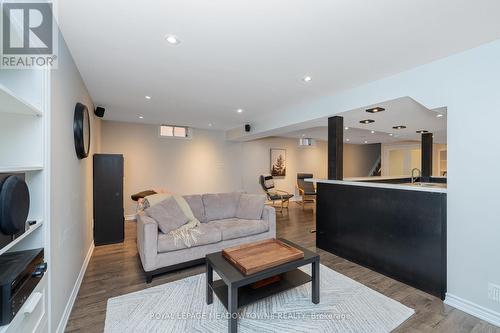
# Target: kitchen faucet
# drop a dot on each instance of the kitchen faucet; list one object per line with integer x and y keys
{"x": 412, "y": 174}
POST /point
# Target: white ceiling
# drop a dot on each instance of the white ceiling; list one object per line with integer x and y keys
{"x": 253, "y": 54}
{"x": 402, "y": 111}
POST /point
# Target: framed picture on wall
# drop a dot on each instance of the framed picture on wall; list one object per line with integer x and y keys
{"x": 278, "y": 162}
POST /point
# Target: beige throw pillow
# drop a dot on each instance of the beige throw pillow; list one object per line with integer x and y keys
{"x": 251, "y": 206}
{"x": 168, "y": 214}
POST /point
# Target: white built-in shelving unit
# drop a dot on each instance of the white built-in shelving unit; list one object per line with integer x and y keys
{"x": 28, "y": 168}
{"x": 31, "y": 229}
{"x": 16, "y": 104}
{"x": 24, "y": 149}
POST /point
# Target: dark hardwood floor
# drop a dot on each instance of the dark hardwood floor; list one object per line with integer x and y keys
{"x": 116, "y": 270}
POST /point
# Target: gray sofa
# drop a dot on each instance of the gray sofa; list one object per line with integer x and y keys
{"x": 219, "y": 229}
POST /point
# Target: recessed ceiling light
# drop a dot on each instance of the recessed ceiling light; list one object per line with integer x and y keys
{"x": 307, "y": 79}
{"x": 367, "y": 121}
{"x": 147, "y": 97}
{"x": 346, "y": 128}
{"x": 439, "y": 115}
{"x": 366, "y": 141}
{"x": 209, "y": 124}
{"x": 347, "y": 140}
{"x": 239, "y": 110}
{"x": 172, "y": 39}
{"x": 390, "y": 134}
{"x": 373, "y": 132}
{"x": 303, "y": 135}
{"x": 399, "y": 127}
{"x": 141, "y": 117}
{"x": 375, "y": 110}
{"x": 422, "y": 131}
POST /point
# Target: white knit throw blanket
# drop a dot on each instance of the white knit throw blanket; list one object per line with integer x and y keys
{"x": 186, "y": 233}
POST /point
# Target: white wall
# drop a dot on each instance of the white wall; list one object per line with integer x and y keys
{"x": 71, "y": 186}
{"x": 360, "y": 159}
{"x": 208, "y": 163}
{"x": 405, "y": 147}
{"x": 205, "y": 163}
{"x": 256, "y": 162}
{"x": 468, "y": 84}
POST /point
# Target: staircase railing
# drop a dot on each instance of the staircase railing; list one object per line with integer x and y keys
{"x": 376, "y": 169}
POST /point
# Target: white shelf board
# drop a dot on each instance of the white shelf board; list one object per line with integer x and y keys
{"x": 10, "y": 103}
{"x": 19, "y": 239}
{"x": 15, "y": 169}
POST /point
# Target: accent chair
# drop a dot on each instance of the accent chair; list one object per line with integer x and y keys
{"x": 306, "y": 189}
{"x": 275, "y": 195}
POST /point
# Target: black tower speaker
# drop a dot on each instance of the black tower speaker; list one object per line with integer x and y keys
{"x": 247, "y": 128}
{"x": 108, "y": 199}
{"x": 99, "y": 111}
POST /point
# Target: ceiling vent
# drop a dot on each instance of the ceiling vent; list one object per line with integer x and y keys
{"x": 307, "y": 142}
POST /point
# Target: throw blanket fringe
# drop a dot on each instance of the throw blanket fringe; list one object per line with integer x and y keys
{"x": 188, "y": 232}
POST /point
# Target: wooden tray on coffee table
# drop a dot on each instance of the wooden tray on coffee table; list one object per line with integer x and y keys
{"x": 258, "y": 256}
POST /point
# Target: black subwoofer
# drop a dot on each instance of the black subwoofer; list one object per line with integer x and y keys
{"x": 14, "y": 207}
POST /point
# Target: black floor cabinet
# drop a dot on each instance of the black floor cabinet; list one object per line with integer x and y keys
{"x": 108, "y": 199}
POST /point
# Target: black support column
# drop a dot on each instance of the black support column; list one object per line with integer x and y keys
{"x": 426, "y": 156}
{"x": 336, "y": 148}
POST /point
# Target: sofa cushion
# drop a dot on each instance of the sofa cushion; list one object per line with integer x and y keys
{"x": 196, "y": 204}
{"x": 220, "y": 206}
{"x": 208, "y": 234}
{"x": 168, "y": 214}
{"x": 251, "y": 206}
{"x": 237, "y": 228}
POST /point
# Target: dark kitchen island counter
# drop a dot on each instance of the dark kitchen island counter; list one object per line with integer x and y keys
{"x": 388, "y": 225}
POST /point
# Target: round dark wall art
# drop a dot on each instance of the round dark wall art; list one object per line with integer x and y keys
{"x": 81, "y": 130}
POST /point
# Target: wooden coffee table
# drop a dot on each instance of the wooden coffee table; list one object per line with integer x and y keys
{"x": 234, "y": 288}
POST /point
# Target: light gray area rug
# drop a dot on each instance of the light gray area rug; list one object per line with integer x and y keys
{"x": 345, "y": 306}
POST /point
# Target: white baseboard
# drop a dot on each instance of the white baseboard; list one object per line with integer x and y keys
{"x": 476, "y": 310}
{"x": 132, "y": 217}
{"x": 71, "y": 301}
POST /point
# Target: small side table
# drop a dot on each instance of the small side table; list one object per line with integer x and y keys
{"x": 234, "y": 290}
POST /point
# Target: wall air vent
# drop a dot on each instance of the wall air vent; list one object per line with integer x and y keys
{"x": 307, "y": 142}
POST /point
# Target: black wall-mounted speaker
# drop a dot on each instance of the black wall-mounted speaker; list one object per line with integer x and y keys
{"x": 99, "y": 111}
{"x": 247, "y": 128}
